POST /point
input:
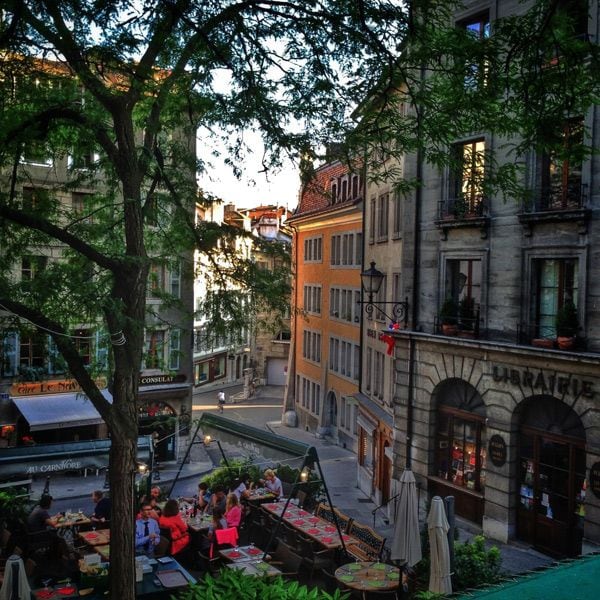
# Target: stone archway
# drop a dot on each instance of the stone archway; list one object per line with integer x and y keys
{"x": 551, "y": 476}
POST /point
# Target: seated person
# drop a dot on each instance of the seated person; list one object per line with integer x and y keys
{"x": 102, "y": 509}
{"x": 242, "y": 486}
{"x": 233, "y": 512}
{"x": 201, "y": 501}
{"x": 272, "y": 483}
{"x": 40, "y": 519}
{"x": 171, "y": 519}
{"x": 218, "y": 522}
{"x": 218, "y": 500}
{"x": 147, "y": 532}
{"x": 155, "y": 498}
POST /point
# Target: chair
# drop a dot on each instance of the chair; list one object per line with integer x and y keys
{"x": 324, "y": 512}
{"x": 315, "y": 559}
{"x": 381, "y": 595}
{"x": 163, "y": 548}
{"x": 165, "y": 532}
{"x": 330, "y": 583}
{"x": 227, "y": 537}
{"x": 285, "y": 557}
{"x": 370, "y": 543}
{"x": 207, "y": 563}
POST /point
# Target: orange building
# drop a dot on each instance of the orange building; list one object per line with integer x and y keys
{"x": 324, "y": 367}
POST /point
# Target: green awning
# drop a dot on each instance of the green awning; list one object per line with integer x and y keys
{"x": 46, "y": 459}
{"x": 575, "y": 579}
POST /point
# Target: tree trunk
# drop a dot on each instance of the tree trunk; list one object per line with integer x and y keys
{"x": 123, "y": 429}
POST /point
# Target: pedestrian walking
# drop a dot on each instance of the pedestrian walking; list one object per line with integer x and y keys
{"x": 221, "y": 400}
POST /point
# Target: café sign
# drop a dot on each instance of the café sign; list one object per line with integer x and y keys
{"x": 61, "y": 386}
{"x": 66, "y": 464}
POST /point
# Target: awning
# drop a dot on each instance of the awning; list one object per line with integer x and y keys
{"x": 56, "y": 411}
{"x": 46, "y": 459}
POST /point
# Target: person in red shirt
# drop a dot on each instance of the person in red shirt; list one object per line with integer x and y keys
{"x": 171, "y": 519}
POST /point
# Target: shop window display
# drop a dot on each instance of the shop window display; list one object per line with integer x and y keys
{"x": 460, "y": 457}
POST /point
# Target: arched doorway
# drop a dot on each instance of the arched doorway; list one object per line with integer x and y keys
{"x": 238, "y": 367}
{"x": 551, "y": 475}
{"x": 330, "y": 413}
{"x": 159, "y": 420}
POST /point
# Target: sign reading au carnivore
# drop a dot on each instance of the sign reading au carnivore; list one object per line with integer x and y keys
{"x": 53, "y": 386}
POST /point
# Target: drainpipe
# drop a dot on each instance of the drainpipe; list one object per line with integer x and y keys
{"x": 415, "y": 293}
{"x": 289, "y": 416}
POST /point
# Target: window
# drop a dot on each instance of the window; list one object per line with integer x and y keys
{"x": 37, "y": 153}
{"x": 313, "y": 249}
{"x": 382, "y": 217}
{"x": 344, "y": 357}
{"x": 479, "y": 29}
{"x": 311, "y": 345}
{"x": 459, "y": 454}
{"x": 8, "y": 354}
{"x": 155, "y": 341}
{"x": 379, "y": 298}
{"x": 561, "y": 170}
{"x": 343, "y": 304}
{"x": 312, "y": 299}
{"x": 83, "y": 344}
{"x": 348, "y": 414}
{"x": 33, "y": 198}
{"x": 466, "y": 180}
{"x": 310, "y": 394}
{"x": 372, "y": 205}
{"x": 463, "y": 287}
{"x": 175, "y": 280}
{"x": 379, "y": 374}
{"x": 82, "y": 159}
{"x": 156, "y": 280}
{"x": 397, "y": 222}
{"x": 174, "y": 349}
{"x": 32, "y": 351}
{"x": 32, "y": 266}
{"x": 369, "y": 377}
{"x": 81, "y": 204}
{"x": 555, "y": 282}
{"x": 346, "y": 249}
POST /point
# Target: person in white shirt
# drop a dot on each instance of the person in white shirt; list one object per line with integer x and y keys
{"x": 272, "y": 483}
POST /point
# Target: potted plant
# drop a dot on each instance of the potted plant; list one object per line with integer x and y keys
{"x": 567, "y": 324}
{"x": 449, "y": 317}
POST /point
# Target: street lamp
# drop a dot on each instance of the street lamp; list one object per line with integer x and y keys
{"x": 371, "y": 281}
{"x": 208, "y": 440}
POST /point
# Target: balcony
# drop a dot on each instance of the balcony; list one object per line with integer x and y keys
{"x": 461, "y": 212}
{"x": 557, "y": 206}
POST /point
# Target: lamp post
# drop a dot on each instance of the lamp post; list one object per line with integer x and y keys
{"x": 208, "y": 440}
{"x": 371, "y": 281}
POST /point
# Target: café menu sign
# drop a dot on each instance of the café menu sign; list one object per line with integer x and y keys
{"x": 497, "y": 450}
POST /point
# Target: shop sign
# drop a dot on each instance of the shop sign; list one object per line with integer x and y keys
{"x": 548, "y": 384}
{"x": 595, "y": 479}
{"x": 51, "y": 387}
{"x": 66, "y": 464}
{"x": 161, "y": 378}
{"x": 497, "y": 450}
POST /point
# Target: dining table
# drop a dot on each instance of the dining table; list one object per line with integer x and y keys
{"x": 260, "y": 495}
{"x": 198, "y": 523}
{"x": 250, "y": 560}
{"x": 368, "y": 576}
{"x": 316, "y": 528}
{"x": 95, "y": 538}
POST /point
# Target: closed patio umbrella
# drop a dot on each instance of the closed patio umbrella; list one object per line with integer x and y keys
{"x": 439, "y": 572}
{"x": 406, "y": 544}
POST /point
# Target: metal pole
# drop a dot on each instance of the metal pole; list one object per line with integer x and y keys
{"x": 223, "y": 454}
{"x": 187, "y": 453}
{"x": 46, "y": 490}
{"x": 449, "y": 504}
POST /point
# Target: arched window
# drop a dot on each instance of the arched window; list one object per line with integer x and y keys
{"x": 459, "y": 454}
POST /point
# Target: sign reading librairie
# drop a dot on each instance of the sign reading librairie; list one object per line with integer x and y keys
{"x": 58, "y": 386}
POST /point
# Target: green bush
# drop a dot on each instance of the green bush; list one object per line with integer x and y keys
{"x": 474, "y": 565}
{"x": 225, "y": 476}
{"x": 234, "y": 584}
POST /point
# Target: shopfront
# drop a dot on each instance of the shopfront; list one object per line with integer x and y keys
{"x": 513, "y": 436}
{"x": 210, "y": 369}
